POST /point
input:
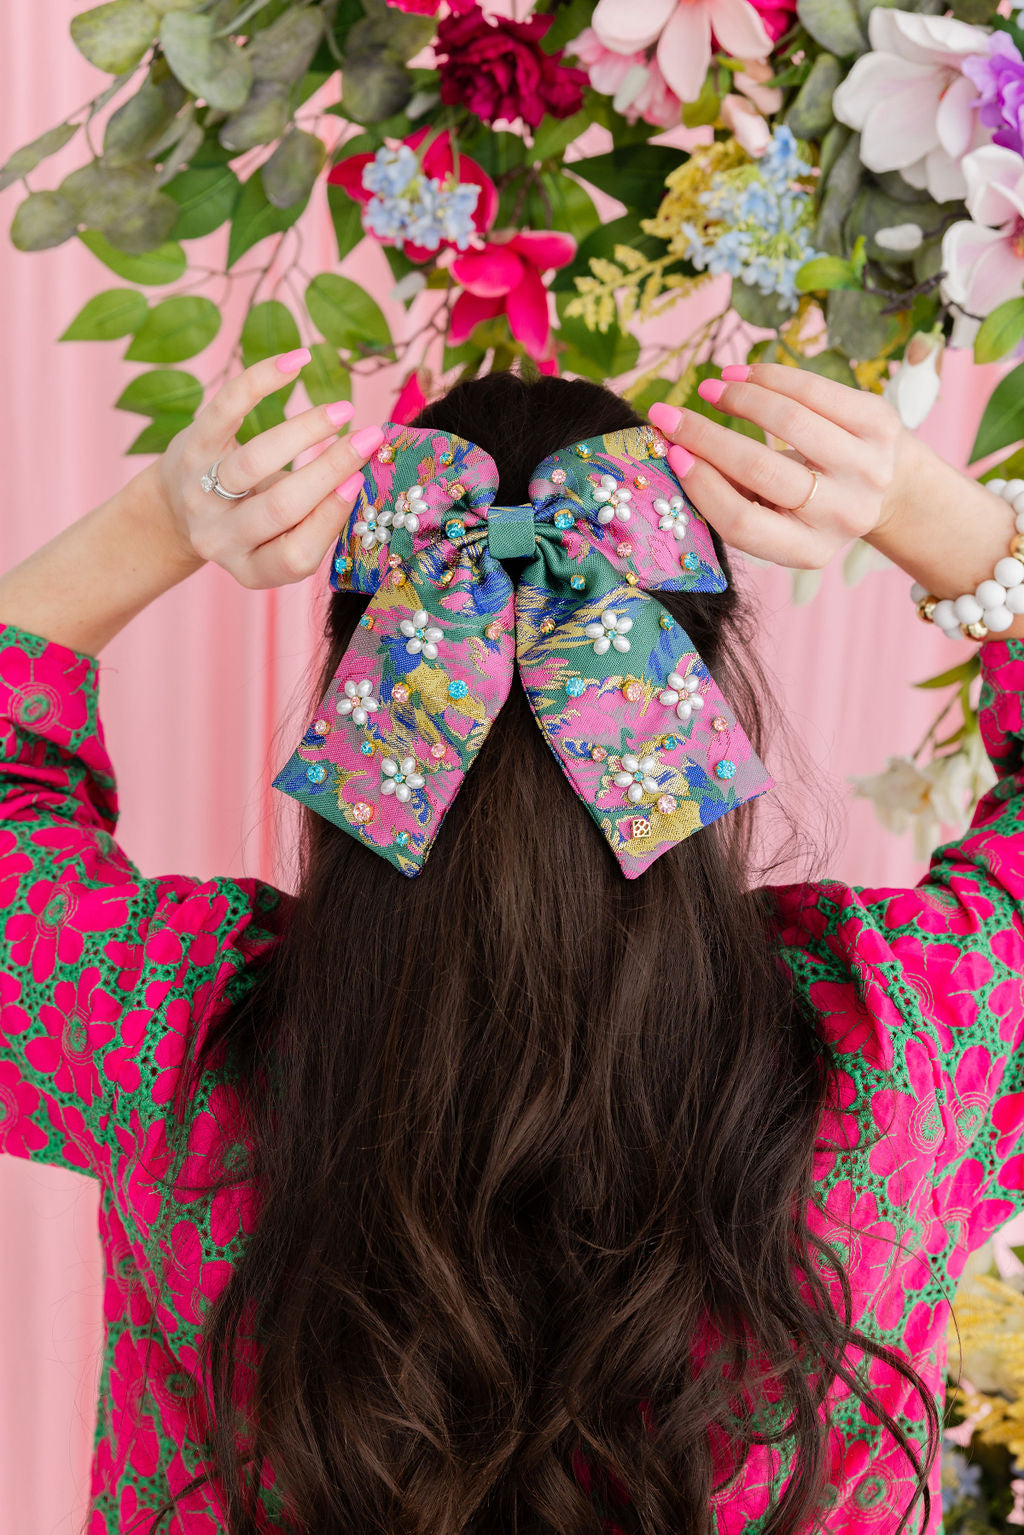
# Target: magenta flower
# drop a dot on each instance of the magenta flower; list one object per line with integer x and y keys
{"x": 500, "y": 70}
{"x": 505, "y": 278}
{"x": 411, "y": 400}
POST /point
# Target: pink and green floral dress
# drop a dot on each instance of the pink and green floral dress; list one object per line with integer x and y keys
{"x": 921, "y": 993}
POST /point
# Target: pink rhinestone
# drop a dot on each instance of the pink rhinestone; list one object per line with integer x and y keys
{"x": 362, "y": 813}
{"x": 632, "y": 692}
{"x": 321, "y": 727}
{"x": 394, "y": 560}
{"x": 547, "y": 625}
{"x": 438, "y": 750}
{"x": 639, "y": 826}
{"x": 641, "y": 482}
{"x": 718, "y": 723}
{"x": 400, "y": 693}
{"x": 658, "y": 448}
{"x": 399, "y": 578}
{"x": 558, "y": 476}
{"x": 386, "y": 454}
{"x": 623, "y": 551}
{"x": 598, "y": 753}
{"x": 667, "y": 803}
{"x": 494, "y": 631}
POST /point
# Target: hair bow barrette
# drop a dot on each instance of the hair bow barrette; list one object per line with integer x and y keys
{"x": 626, "y": 704}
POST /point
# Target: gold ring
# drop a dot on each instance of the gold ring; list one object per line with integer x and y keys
{"x": 810, "y": 494}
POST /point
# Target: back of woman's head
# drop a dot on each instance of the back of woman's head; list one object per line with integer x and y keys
{"x": 532, "y": 1145}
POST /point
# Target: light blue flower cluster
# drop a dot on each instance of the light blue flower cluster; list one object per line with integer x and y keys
{"x": 407, "y": 205}
{"x": 763, "y": 221}
{"x": 961, "y": 1479}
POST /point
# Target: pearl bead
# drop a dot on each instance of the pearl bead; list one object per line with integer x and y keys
{"x": 917, "y": 591}
{"x": 997, "y": 485}
{"x": 1008, "y": 571}
{"x": 1018, "y": 521}
{"x": 1018, "y": 505}
{"x": 1011, "y": 489}
{"x": 998, "y": 619}
{"x": 1015, "y": 599}
{"x": 990, "y": 594}
{"x": 967, "y": 609}
{"x": 944, "y": 615}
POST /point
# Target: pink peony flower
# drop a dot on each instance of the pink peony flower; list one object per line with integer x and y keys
{"x": 983, "y": 256}
{"x": 636, "y": 84}
{"x": 411, "y": 400}
{"x": 500, "y": 71}
{"x": 505, "y": 278}
{"x": 777, "y": 16}
{"x": 682, "y": 30}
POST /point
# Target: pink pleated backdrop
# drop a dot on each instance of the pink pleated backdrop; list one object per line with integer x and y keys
{"x": 205, "y": 684}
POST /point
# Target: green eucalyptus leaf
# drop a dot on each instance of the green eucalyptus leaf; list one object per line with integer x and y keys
{"x": 29, "y": 156}
{"x": 269, "y": 329}
{"x": 829, "y": 364}
{"x": 115, "y": 36}
{"x": 1000, "y": 331}
{"x": 116, "y": 312}
{"x": 254, "y": 218}
{"x": 211, "y": 67}
{"x": 137, "y": 127}
{"x": 762, "y": 309}
{"x": 163, "y": 265}
{"x": 843, "y": 180}
{"x": 181, "y": 152}
{"x": 873, "y": 209}
{"x": 177, "y": 328}
{"x": 43, "y": 220}
{"x": 1003, "y": 420}
{"x": 289, "y": 174}
{"x": 373, "y": 87}
{"x": 206, "y": 196}
{"x": 162, "y": 391}
{"x": 811, "y": 115}
{"x": 262, "y": 119}
{"x": 284, "y": 50}
{"x": 556, "y": 134}
{"x": 143, "y": 225}
{"x": 823, "y": 272}
{"x": 639, "y": 170}
{"x": 595, "y": 354}
{"x": 346, "y": 315}
{"x": 834, "y": 24}
{"x": 857, "y": 326}
{"x": 325, "y": 376}
{"x": 161, "y": 432}
{"x": 267, "y": 413}
{"x": 894, "y": 186}
{"x": 402, "y": 33}
{"x": 347, "y": 217}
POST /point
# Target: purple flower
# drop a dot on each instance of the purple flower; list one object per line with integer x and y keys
{"x": 1000, "y": 81}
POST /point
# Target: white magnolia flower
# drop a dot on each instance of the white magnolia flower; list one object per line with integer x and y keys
{"x": 612, "y": 630}
{"x": 914, "y": 387}
{"x": 409, "y": 508}
{"x": 358, "y": 701}
{"x": 636, "y": 776}
{"x": 684, "y": 693}
{"x": 913, "y": 106}
{"x": 672, "y": 515}
{"x": 614, "y": 498}
{"x": 923, "y": 800}
{"x": 374, "y": 527}
{"x": 400, "y": 778}
{"x": 983, "y": 256}
{"x": 421, "y": 635}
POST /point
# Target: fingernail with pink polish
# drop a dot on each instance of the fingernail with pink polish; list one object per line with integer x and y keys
{"x": 711, "y": 389}
{"x": 365, "y": 440}
{"x": 665, "y": 417}
{"x": 679, "y": 460}
{"x": 736, "y": 372}
{"x": 291, "y": 362}
{"x": 351, "y": 487}
{"x": 339, "y": 411}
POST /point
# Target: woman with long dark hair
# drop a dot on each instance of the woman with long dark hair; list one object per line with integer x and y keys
{"x": 527, "y": 1169}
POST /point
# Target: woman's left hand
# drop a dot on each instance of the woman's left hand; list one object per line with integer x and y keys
{"x": 281, "y": 529}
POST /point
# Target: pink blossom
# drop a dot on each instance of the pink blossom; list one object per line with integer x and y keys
{"x": 635, "y": 82}
{"x": 983, "y": 256}
{"x": 749, "y": 127}
{"x": 505, "y": 278}
{"x": 682, "y": 30}
{"x": 411, "y": 400}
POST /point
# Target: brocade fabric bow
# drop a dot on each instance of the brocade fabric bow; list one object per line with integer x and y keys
{"x": 618, "y": 690}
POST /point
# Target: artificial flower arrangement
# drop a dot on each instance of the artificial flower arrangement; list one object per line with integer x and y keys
{"x": 857, "y": 171}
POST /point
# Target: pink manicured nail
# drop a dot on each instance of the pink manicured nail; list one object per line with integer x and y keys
{"x": 366, "y": 439}
{"x": 339, "y": 411}
{"x": 711, "y": 389}
{"x": 351, "y": 487}
{"x": 679, "y": 461}
{"x": 665, "y": 417}
{"x": 291, "y": 362}
{"x": 736, "y": 372}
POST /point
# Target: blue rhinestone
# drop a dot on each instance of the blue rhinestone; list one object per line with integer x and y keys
{"x": 454, "y": 529}
{"x": 457, "y": 688}
{"x": 666, "y": 621}
{"x": 577, "y": 583}
{"x": 316, "y": 774}
{"x": 366, "y": 622}
{"x": 692, "y": 562}
{"x": 575, "y": 686}
{"x": 564, "y": 519}
{"x": 402, "y": 838}
{"x": 670, "y": 743}
{"x": 366, "y": 747}
{"x": 341, "y": 563}
{"x": 725, "y": 769}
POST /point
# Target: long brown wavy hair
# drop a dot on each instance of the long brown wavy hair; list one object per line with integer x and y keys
{"x": 523, "y": 1134}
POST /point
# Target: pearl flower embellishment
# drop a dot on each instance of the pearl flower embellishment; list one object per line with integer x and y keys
{"x": 374, "y": 528}
{"x": 399, "y": 778}
{"x": 673, "y": 515}
{"x": 613, "y": 498}
{"x": 358, "y": 701}
{"x": 421, "y": 635}
{"x": 684, "y": 693}
{"x": 636, "y": 776}
{"x": 409, "y": 508}
{"x": 611, "y": 631}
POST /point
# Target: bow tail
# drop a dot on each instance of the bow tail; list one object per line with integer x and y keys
{"x": 630, "y": 710}
{"x": 410, "y": 703}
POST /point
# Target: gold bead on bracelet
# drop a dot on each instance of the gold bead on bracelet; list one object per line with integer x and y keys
{"x": 926, "y": 607}
{"x": 976, "y": 631}
{"x": 1017, "y": 547}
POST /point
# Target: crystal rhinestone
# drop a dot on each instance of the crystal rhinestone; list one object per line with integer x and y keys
{"x": 457, "y": 688}
{"x": 690, "y": 561}
{"x": 362, "y": 813}
{"x": 366, "y": 747}
{"x": 623, "y": 550}
{"x": 658, "y": 448}
{"x": 667, "y": 803}
{"x": 639, "y": 826}
{"x": 321, "y": 727}
{"x": 598, "y": 753}
{"x": 342, "y": 564}
{"x": 564, "y": 519}
{"x": 448, "y": 578}
{"x": 725, "y": 769}
{"x": 719, "y": 724}
{"x": 494, "y": 631}
{"x": 666, "y": 620}
{"x": 583, "y": 452}
{"x": 547, "y": 625}
{"x": 575, "y": 686}
{"x": 446, "y": 460}
{"x": 632, "y": 691}
{"x": 670, "y": 743}
{"x": 399, "y": 578}
{"x": 458, "y": 490}
{"x": 207, "y": 482}
{"x": 385, "y": 454}
{"x": 438, "y": 749}
{"x": 631, "y": 578}
{"x": 317, "y": 773}
{"x": 366, "y": 621}
{"x": 558, "y": 476}
{"x": 400, "y": 693}
{"x": 578, "y": 583}
{"x": 402, "y": 838}
{"x": 641, "y": 482}
{"x": 394, "y": 560}
{"x": 454, "y": 528}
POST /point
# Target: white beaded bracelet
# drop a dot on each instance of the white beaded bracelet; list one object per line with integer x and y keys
{"x": 995, "y": 602}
